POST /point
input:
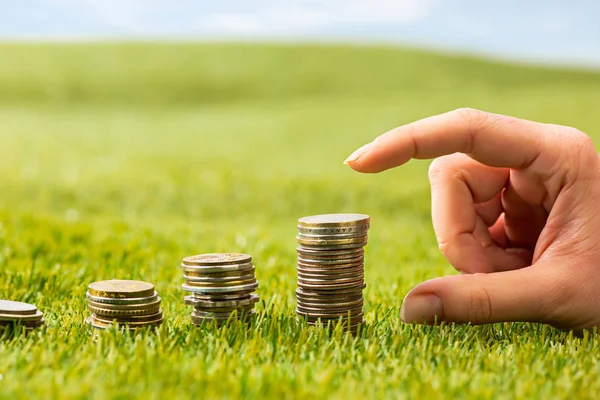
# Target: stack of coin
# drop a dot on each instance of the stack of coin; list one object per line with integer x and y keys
{"x": 23, "y": 314}
{"x": 128, "y": 304}
{"x": 331, "y": 269}
{"x": 222, "y": 286}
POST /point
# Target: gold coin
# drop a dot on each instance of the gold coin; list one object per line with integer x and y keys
{"x": 123, "y": 313}
{"x": 121, "y": 289}
{"x": 28, "y": 317}
{"x": 150, "y": 318}
{"x": 216, "y": 269}
{"x": 218, "y": 274}
{"x": 26, "y": 324}
{"x": 210, "y": 259}
{"x": 126, "y": 307}
{"x": 129, "y": 325}
{"x": 333, "y": 220}
{"x": 122, "y": 301}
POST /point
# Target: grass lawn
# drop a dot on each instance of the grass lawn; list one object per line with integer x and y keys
{"x": 118, "y": 160}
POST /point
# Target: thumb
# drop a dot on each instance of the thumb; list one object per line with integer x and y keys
{"x": 524, "y": 295}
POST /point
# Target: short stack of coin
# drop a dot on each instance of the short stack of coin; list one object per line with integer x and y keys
{"x": 128, "y": 304}
{"x": 23, "y": 314}
{"x": 222, "y": 287}
{"x": 331, "y": 269}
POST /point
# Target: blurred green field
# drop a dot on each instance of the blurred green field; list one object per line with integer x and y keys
{"x": 116, "y": 160}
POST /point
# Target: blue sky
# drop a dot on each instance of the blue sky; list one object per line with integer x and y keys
{"x": 566, "y": 32}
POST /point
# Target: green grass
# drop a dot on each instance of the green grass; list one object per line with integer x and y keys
{"x": 118, "y": 160}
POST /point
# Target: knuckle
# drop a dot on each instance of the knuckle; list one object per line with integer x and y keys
{"x": 582, "y": 152}
{"x": 473, "y": 117}
{"x": 444, "y": 166}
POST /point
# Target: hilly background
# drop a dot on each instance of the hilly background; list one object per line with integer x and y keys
{"x": 117, "y": 160}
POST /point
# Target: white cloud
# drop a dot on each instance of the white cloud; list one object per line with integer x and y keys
{"x": 275, "y": 17}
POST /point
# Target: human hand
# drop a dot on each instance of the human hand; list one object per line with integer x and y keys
{"x": 516, "y": 209}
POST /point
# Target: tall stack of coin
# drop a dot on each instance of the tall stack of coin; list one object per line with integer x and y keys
{"x": 128, "y": 304}
{"x": 331, "y": 269}
{"x": 23, "y": 314}
{"x": 222, "y": 286}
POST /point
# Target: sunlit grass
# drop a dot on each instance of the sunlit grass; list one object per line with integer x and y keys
{"x": 117, "y": 161}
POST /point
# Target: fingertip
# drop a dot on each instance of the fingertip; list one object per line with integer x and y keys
{"x": 357, "y": 154}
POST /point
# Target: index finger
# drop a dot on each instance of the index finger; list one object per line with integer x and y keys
{"x": 492, "y": 139}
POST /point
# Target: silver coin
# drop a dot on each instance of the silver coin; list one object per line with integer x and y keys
{"x": 354, "y": 318}
{"x": 334, "y": 323}
{"x": 330, "y": 271}
{"x": 218, "y": 315}
{"x": 334, "y": 230}
{"x": 310, "y": 311}
{"x": 304, "y": 241}
{"x": 331, "y": 306}
{"x": 121, "y": 301}
{"x": 221, "y": 284}
{"x": 217, "y": 268}
{"x": 334, "y": 220}
{"x": 226, "y": 274}
{"x": 245, "y": 294}
{"x": 16, "y": 308}
{"x": 331, "y": 261}
{"x": 313, "y": 278}
{"x": 348, "y": 238}
{"x": 344, "y": 253}
{"x": 330, "y": 288}
{"x": 341, "y": 293}
{"x": 217, "y": 289}
{"x": 192, "y": 279}
{"x": 197, "y": 320}
{"x": 239, "y": 310}
{"x": 335, "y": 281}
{"x": 192, "y": 301}
{"x": 334, "y": 247}
{"x": 329, "y": 301}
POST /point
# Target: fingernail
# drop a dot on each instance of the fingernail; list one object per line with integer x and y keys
{"x": 358, "y": 153}
{"x": 422, "y": 308}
